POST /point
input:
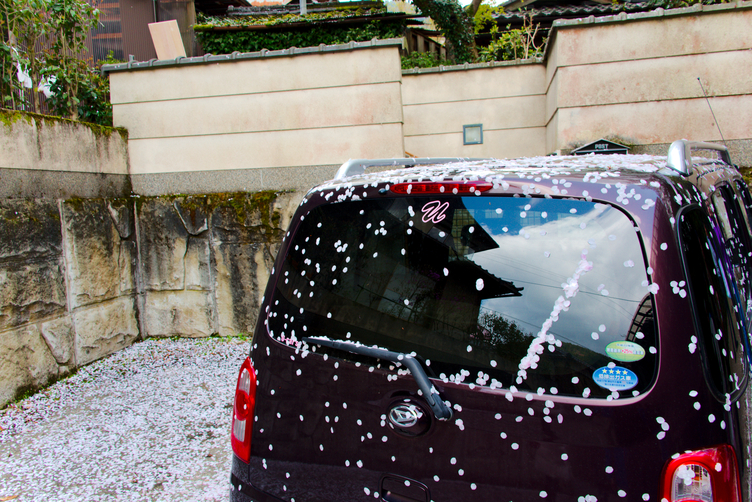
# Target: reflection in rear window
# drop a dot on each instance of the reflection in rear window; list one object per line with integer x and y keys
{"x": 547, "y": 295}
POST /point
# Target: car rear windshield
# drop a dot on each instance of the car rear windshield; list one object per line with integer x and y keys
{"x": 532, "y": 294}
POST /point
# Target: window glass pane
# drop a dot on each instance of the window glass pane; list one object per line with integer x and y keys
{"x": 715, "y": 302}
{"x": 738, "y": 203}
{"x": 731, "y": 217}
{"x": 497, "y": 291}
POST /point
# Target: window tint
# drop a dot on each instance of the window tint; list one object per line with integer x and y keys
{"x": 535, "y": 293}
{"x": 715, "y": 302}
{"x": 732, "y": 219}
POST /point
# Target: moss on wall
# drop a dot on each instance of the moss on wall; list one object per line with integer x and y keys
{"x": 10, "y": 117}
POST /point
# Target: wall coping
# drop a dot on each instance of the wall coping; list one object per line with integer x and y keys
{"x": 262, "y": 54}
{"x": 590, "y": 20}
{"x": 472, "y": 66}
{"x": 653, "y": 14}
{"x": 400, "y": 42}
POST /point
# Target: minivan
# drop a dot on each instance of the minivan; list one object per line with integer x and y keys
{"x": 562, "y": 328}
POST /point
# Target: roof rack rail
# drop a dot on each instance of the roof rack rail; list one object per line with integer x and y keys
{"x": 354, "y": 167}
{"x": 680, "y": 158}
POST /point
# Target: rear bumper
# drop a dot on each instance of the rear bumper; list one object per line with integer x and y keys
{"x": 245, "y": 492}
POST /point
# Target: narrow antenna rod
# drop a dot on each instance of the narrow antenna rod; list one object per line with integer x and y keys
{"x": 711, "y": 111}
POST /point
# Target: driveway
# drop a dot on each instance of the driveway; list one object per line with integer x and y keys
{"x": 151, "y": 422}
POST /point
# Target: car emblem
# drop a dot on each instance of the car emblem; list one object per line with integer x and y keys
{"x": 405, "y": 415}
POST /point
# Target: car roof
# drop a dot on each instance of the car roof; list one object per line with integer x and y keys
{"x": 569, "y": 167}
{"x": 546, "y": 175}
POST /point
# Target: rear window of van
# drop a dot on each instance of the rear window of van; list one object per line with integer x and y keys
{"x": 529, "y": 294}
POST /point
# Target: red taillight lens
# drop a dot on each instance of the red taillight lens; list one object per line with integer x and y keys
{"x": 710, "y": 475}
{"x": 242, "y": 411}
{"x": 445, "y": 187}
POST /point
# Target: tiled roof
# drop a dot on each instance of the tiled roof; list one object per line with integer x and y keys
{"x": 238, "y": 56}
{"x": 573, "y": 11}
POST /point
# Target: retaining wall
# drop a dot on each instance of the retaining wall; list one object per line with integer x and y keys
{"x": 83, "y": 278}
{"x": 51, "y": 157}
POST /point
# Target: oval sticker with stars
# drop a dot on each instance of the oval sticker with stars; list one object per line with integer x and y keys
{"x": 616, "y": 378}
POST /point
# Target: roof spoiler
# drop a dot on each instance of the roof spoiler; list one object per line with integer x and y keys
{"x": 680, "y": 154}
{"x": 354, "y": 167}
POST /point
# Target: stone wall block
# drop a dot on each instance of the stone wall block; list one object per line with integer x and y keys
{"x": 104, "y": 328}
{"x": 29, "y": 230}
{"x": 128, "y": 265}
{"x": 59, "y": 335}
{"x": 193, "y": 213}
{"x": 285, "y": 205}
{"x": 197, "y": 265}
{"x": 236, "y": 286}
{"x": 25, "y": 362}
{"x": 32, "y": 284}
{"x": 245, "y": 238}
{"x": 122, "y": 215}
{"x": 92, "y": 251}
{"x": 30, "y": 292}
{"x": 163, "y": 241}
{"x": 179, "y": 313}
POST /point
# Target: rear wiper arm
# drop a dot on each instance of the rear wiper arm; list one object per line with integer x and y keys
{"x": 440, "y": 410}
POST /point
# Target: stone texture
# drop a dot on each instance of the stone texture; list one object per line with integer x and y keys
{"x": 198, "y": 265}
{"x": 128, "y": 265}
{"x": 25, "y": 362}
{"x": 206, "y": 262}
{"x": 29, "y": 292}
{"x": 31, "y": 270}
{"x": 193, "y": 213}
{"x": 244, "y": 235}
{"x": 59, "y": 336}
{"x": 179, "y": 313}
{"x": 92, "y": 251}
{"x": 163, "y": 241}
{"x": 122, "y": 216}
{"x": 104, "y": 328}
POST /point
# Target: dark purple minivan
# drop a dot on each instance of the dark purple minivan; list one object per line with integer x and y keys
{"x": 561, "y": 329}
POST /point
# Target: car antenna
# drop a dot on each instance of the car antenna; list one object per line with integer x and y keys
{"x": 711, "y": 111}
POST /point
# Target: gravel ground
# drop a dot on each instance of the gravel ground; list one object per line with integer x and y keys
{"x": 151, "y": 422}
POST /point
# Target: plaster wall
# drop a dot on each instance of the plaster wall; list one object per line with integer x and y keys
{"x": 51, "y": 157}
{"x": 634, "y": 78}
{"x": 629, "y": 78}
{"x": 508, "y": 100}
{"x": 272, "y": 115}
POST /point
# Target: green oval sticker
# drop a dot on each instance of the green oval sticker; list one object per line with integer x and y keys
{"x": 625, "y": 351}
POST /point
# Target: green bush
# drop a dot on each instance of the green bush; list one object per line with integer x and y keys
{"x": 41, "y": 42}
{"x": 422, "y": 60}
{"x": 226, "y": 42}
{"x": 92, "y": 98}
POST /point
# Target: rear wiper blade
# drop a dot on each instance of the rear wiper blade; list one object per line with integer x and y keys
{"x": 440, "y": 410}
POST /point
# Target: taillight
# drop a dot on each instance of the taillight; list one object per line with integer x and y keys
{"x": 242, "y": 411}
{"x": 445, "y": 187}
{"x": 702, "y": 476}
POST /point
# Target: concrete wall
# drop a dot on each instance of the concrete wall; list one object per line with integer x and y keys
{"x": 258, "y": 122}
{"x": 509, "y": 100}
{"x": 83, "y": 278}
{"x": 630, "y": 78}
{"x": 286, "y": 119}
{"x": 50, "y": 157}
{"x": 634, "y": 78}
